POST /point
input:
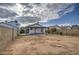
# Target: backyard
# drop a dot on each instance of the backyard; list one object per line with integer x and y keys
{"x": 43, "y": 45}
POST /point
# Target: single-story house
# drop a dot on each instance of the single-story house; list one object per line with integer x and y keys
{"x": 35, "y": 29}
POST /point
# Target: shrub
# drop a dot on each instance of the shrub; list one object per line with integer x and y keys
{"x": 53, "y": 29}
{"x": 22, "y": 31}
{"x": 61, "y": 33}
{"x": 47, "y": 31}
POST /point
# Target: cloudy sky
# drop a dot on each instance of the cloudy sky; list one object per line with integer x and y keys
{"x": 46, "y": 13}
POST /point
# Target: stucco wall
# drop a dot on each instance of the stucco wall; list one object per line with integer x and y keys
{"x": 6, "y": 35}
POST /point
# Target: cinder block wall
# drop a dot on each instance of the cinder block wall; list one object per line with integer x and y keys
{"x": 6, "y": 35}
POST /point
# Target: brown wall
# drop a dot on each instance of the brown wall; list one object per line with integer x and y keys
{"x": 6, "y": 35}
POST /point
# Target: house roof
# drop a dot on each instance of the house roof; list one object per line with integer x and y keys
{"x": 55, "y": 26}
{"x": 4, "y": 25}
{"x": 36, "y": 25}
{"x": 13, "y": 23}
{"x": 8, "y": 25}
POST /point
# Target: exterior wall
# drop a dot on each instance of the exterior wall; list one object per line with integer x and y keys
{"x": 6, "y": 35}
{"x": 36, "y": 30}
{"x": 31, "y": 31}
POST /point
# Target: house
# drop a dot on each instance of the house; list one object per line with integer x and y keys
{"x": 67, "y": 27}
{"x": 35, "y": 29}
{"x": 55, "y": 26}
{"x": 75, "y": 26}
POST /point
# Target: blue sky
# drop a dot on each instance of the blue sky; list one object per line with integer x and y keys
{"x": 69, "y": 18}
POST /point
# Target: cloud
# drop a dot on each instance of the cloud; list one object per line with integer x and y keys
{"x": 27, "y": 19}
{"x": 34, "y": 12}
{"x": 46, "y": 11}
{"x": 5, "y": 13}
{"x": 68, "y": 9}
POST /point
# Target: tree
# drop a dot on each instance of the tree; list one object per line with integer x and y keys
{"x": 22, "y": 31}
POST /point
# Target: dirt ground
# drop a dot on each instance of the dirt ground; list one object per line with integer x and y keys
{"x": 43, "y": 45}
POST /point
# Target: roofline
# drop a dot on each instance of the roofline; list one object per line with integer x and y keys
{"x": 7, "y": 26}
{"x": 34, "y": 24}
{"x": 36, "y": 27}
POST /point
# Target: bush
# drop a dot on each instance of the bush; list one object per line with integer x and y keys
{"x": 61, "y": 33}
{"x": 47, "y": 31}
{"x": 53, "y": 30}
{"x": 22, "y": 31}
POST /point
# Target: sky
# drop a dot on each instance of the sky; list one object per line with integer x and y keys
{"x": 46, "y": 13}
{"x": 70, "y": 18}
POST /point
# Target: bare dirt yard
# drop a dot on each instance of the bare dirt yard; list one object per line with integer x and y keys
{"x": 43, "y": 45}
